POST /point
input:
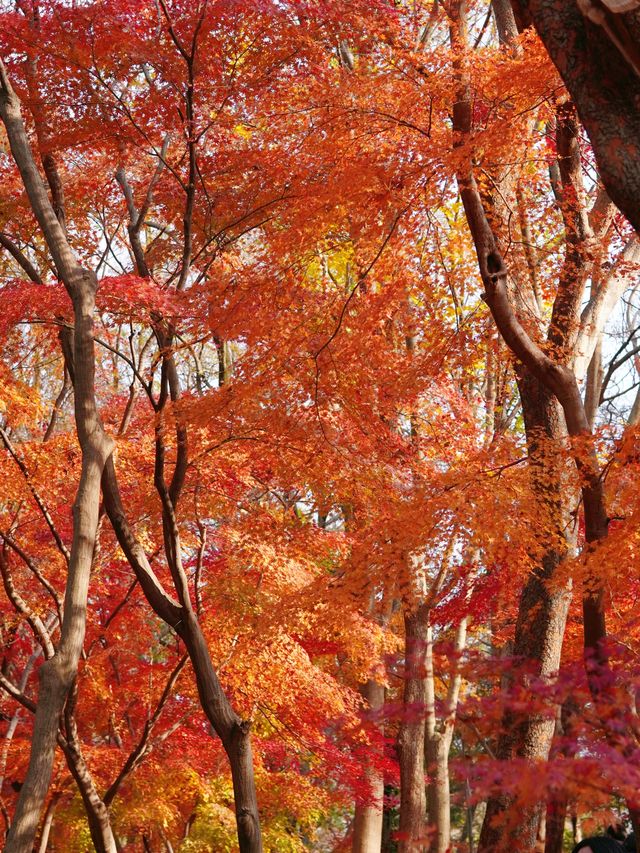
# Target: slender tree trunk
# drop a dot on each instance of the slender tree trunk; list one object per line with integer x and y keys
{"x": 411, "y": 734}
{"x": 438, "y": 804}
{"x": 57, "y": 675}
{"x": 97, "y": 812}
{"x": 367, "y": 827}
{"x": 438, "y": 793}
{"x": 390, "y": 817}
{"x": 47, "y": 823}
{"x": 438, "y": 738}
{"x": 233, "y": 731}
{"x": 595, "y": 375}
{"x": 558, "y": 800}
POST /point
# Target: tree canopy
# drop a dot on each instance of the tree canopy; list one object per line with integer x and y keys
{"x": 319, "y": 405}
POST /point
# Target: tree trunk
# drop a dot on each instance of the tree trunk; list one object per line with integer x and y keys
{"x": 47, "y": 823}
{"x": 438, "y": 793}
{"x": 438, "y": 738}
{"x": 97, "y": 812}
{"x": 411, "y": 735}
{"x": 540, "y": 625}
{"x": 367, "y": 826}
{"x": 57, "y": 675}
{"x": 545, "y": 383}
{"x": 600, "y": 65}
{"x": 233, "y": 731}
{"x": 556, "y": 817}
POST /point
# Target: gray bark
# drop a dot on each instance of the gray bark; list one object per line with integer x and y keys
{"x": 58, "y": 674}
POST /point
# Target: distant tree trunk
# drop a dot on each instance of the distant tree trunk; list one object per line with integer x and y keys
{"x": 390, "y": 817}
{"x": 438, "y": 794}
{"x": 439, "y": 735}
{"x": 47, "y": 823}
{"x": 367, "y": 827}
{"x": 411, "y": 736}
{"x": 556, "y": 818}
{"x": 558, "y": 801}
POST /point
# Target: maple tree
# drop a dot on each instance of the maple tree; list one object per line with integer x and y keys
{"x": 317, "y": 505}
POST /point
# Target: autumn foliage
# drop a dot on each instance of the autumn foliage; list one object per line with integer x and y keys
{"x": 344, "y": 514}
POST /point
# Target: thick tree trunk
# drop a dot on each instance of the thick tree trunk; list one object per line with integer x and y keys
{"x": 411, "y": 734}
{"x": 542, "y": 611}
{"x": 367, "y": 825}
{"x": 541, "y": 619}
{"x": 600, "y": 65}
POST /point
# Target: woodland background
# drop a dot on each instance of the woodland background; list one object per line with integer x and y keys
{"x": 319, "y": 404}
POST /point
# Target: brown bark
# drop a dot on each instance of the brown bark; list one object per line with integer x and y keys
{"x": 145, "y": 744}
{"x": 58, "y": 674}
{"x": 604, "y": 85}
{"x": 556, "y": 818}
{"x": 367, "y": 825}
{"x": 97, "y": 814}
{"x": 21, "y": 258}
{"x": 558, "y": 804}
{"x": 505, "y": 22}
{"x": 544, "y": 383}
{"x": 554, "y": 375}
{"x": 558, "y": 380}
{"x": 180, "y": 614}
{"x": 411, "y": 735}
{"x": 232, "y": 730}
{"x": 542, "y": 613}
{"x": 95, "y": 808}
